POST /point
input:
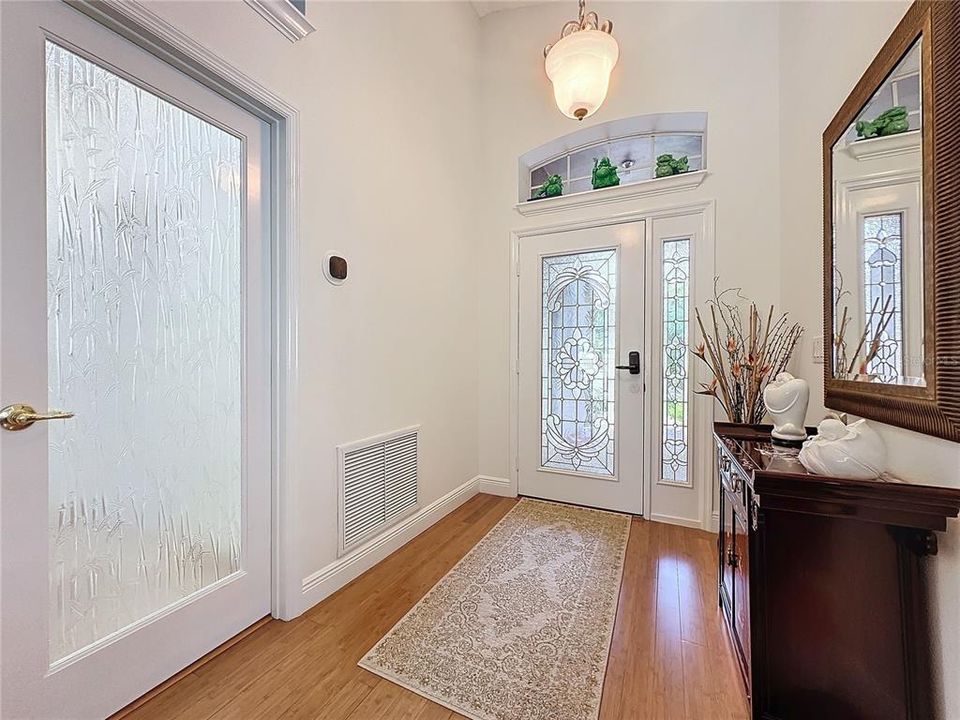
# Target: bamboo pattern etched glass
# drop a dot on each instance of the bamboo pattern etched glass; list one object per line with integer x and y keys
{"x": 144, "y": 235}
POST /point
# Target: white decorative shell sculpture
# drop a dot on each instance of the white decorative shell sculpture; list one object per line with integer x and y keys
{"x": 854, "y": 452}
{"x": 786, "y": 401}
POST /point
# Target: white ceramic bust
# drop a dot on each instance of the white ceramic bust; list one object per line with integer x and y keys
{"x": 786, "y": 401}
{"x": 852, "y": 451}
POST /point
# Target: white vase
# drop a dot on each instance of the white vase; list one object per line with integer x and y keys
{"x": 854, "y": 451}
{"x": 786, "y": 400}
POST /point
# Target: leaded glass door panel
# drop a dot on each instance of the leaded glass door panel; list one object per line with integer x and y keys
{"x": 580, "y": 417}
{"x": 136, "y": 533}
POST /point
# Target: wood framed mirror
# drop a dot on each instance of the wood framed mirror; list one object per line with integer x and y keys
{"x": 891, "y": 259}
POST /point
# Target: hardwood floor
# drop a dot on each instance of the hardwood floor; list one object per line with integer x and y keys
{"x": 669, "y": 658}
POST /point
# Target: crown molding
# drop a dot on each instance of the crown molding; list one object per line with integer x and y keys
{"x": 282, "y": 15}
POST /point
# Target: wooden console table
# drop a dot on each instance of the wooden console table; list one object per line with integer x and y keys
{"x": 821, "y": 584}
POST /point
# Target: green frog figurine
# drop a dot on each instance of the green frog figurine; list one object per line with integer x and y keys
{"x": 553, "y": 187}
{"x": 892, "y": 122}
{"x": 604, "y": 174}
{"x": 667, "y": 165}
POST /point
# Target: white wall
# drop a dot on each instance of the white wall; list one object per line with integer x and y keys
{"x": 846, "y": 37}
{"x": 388, "y": 99}
{"x": 675, "y": 56}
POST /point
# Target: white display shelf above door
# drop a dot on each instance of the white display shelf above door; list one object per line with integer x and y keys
{"x": 645, "y": 188}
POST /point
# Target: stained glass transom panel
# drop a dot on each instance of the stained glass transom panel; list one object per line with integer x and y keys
{"x": 675, "y": 388}
{"x": 144, "y": 335}
{"x": 883, "y": 287}
{"x": 578, "y": 354}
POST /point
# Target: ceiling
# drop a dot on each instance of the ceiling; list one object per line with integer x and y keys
{"x": 485, "y": 7}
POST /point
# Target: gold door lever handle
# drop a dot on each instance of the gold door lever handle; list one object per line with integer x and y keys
{"x": 20, "y": 417}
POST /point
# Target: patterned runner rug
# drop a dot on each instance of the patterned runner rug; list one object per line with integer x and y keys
{"x": 520, "y": 628}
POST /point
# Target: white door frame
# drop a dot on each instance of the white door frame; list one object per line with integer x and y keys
{"x": 140, "y": 25}
{"x": 707, "y": 208}
{"x": 857, "y": 198}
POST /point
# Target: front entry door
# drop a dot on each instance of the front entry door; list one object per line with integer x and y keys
{"x": 134, "y": 298}
{"x": 581, "y": 366}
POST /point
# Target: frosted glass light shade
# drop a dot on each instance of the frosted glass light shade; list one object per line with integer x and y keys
{"x": 579, "y": 66}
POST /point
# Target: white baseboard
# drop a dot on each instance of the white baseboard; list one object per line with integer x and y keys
{"x": 714, "y": 522}
{"x": 495, "y": 486}
{"x": 327, "y": 580}
{"x": 674, "y": 520}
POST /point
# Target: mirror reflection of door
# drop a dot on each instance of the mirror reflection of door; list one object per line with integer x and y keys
{"x": 878, "y": 244}
{"x": 882, "y": 268}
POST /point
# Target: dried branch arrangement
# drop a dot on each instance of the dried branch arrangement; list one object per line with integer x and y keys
{"x": 871, "y": 339}
{"x": 743, "y": 354}
{"x": 840, "y": 330}
{"x": 857, "y": 367}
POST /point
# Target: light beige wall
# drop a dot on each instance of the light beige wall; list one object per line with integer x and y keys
{"x": 388, "y": 99}
{"x": 824, "y": 48}
{"x": 718, "y": 57}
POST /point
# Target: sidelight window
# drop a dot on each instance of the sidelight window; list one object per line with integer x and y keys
{"x": 675, "y": 386}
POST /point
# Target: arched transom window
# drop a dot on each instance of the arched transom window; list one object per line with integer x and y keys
{"x": 634, "y": 157}
{"x": 633, "y": 146}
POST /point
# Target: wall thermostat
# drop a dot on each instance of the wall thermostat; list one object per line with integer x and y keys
{"x": 335, "y": 269}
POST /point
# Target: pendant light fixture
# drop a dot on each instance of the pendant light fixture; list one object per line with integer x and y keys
{"x": 580, "y": 62}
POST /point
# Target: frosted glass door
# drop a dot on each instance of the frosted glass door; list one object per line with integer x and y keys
{"x": 144, "y": 317}
{"x": 134, "y": 294}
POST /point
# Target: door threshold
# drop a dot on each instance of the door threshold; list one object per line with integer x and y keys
{"x": 169, "y": 682}
{"x": 588, "y": 507}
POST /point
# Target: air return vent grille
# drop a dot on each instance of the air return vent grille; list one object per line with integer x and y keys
{"x": 378, "y": 484}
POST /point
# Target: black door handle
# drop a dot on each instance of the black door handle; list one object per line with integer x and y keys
{"x": 633, "y": 357}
